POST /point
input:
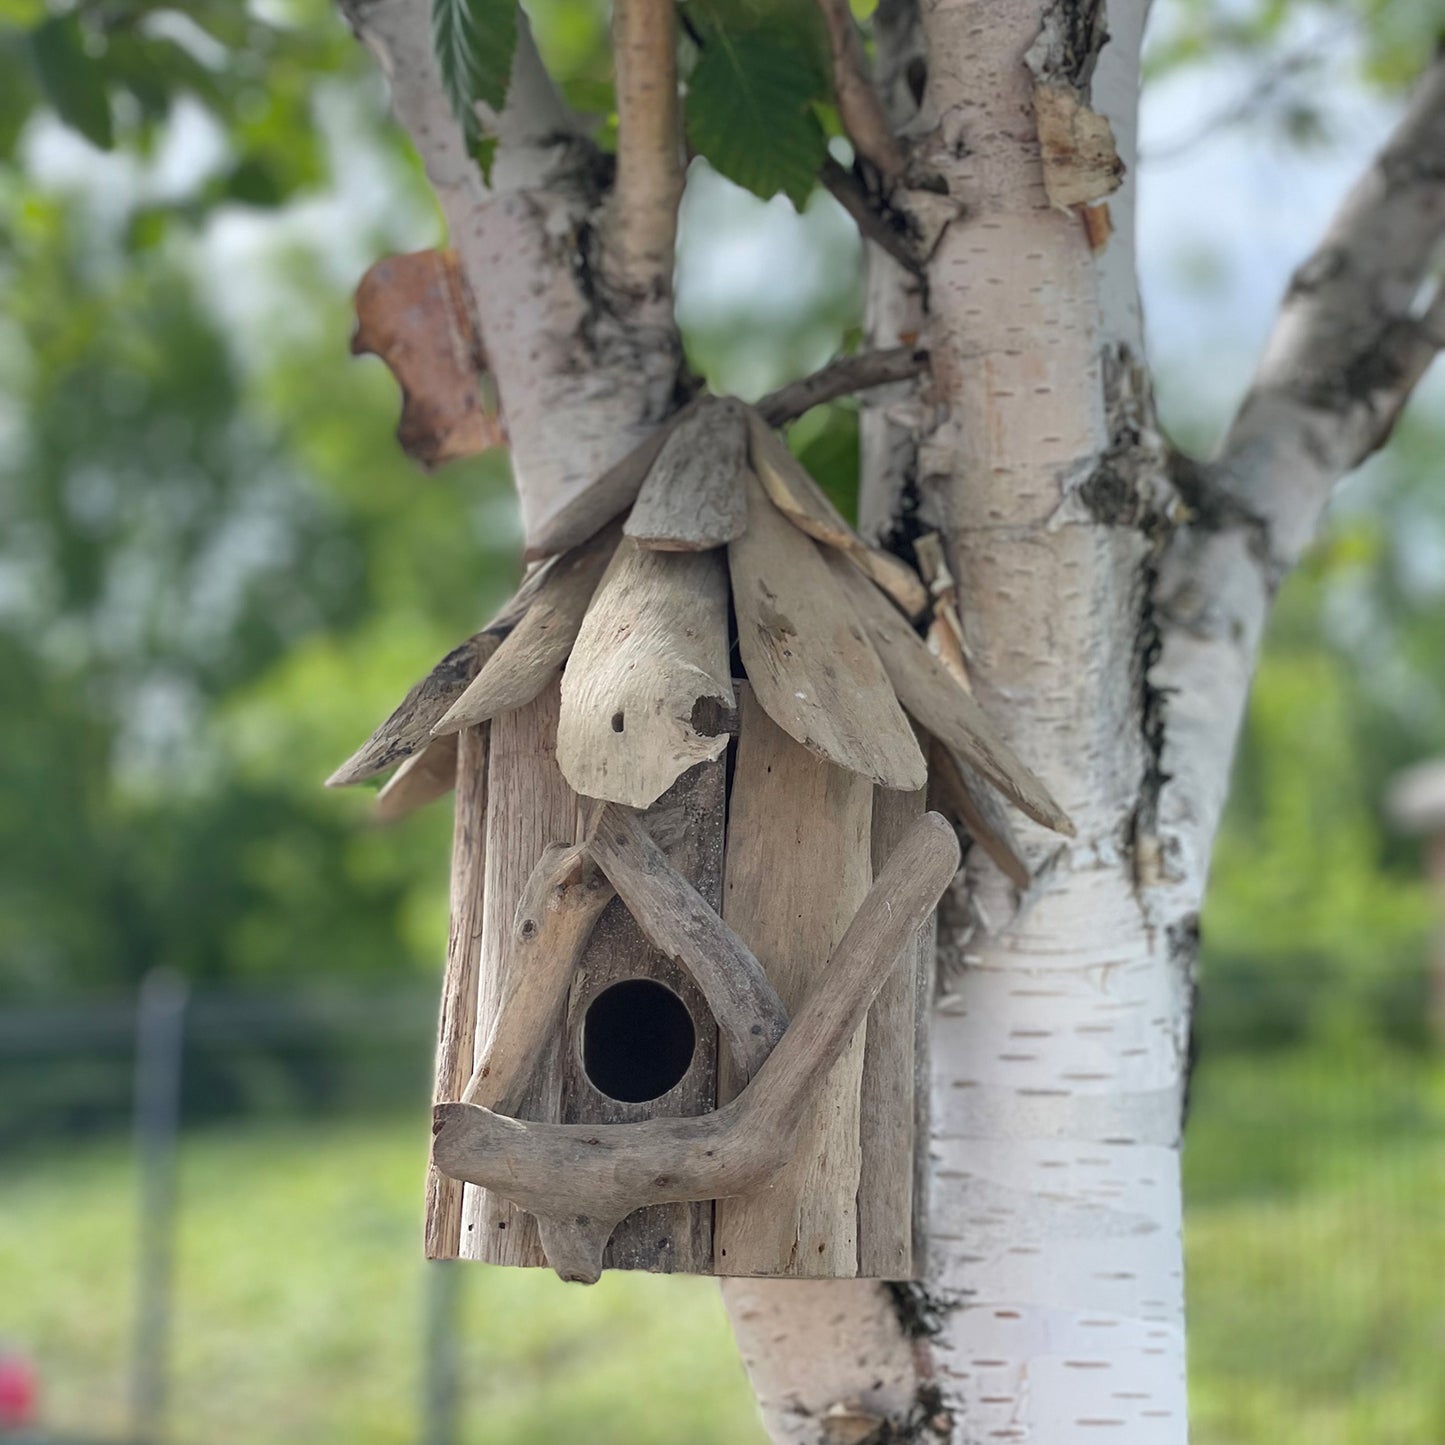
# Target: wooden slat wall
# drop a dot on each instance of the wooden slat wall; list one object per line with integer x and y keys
{"x": 530, "y": 806}
{"x": 798, "y": 865}
{"x": 687, "y": 822}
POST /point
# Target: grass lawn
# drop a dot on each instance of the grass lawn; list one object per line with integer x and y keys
{"x": 1316, "y": 1245}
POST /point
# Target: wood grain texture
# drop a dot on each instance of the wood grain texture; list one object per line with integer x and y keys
{"x": 651, "y": 658}
{"x": 555, "y": 915}
{"x": 688, "y": 820}
{"x": 530, "y": 806}
{"x": 887, "y": 1126}
{"x": 581, "y": 1180}
{"x": 457, "y": 1024}
{"x": 808, "y": 659}
{"x": 962, "y": 795}
{"x": 684, "y": 927}
{"x": 932, "y": 695}
{"x": 792, "y": 490}
{"x": 693, "y": 499}
{"x": 798, "y": 866}
{"x": 609, "y": 496}
{"x": 539, "y": 644}
{"x": 425, "y": 776}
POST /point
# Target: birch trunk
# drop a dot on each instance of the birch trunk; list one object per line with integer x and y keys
{"x": 1112, "y": 597}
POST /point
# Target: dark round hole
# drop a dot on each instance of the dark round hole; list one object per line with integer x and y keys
{"x": 637, "y": 1040}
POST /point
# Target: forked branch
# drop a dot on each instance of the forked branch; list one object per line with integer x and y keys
{"x": 580, "y": 1180}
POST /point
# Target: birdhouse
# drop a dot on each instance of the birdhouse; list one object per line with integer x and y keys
{"x": 693, "y": 873}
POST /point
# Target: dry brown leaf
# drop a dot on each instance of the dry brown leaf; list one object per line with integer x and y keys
{"x": 412, "y": 311}
{"x": 1076, "y": 146}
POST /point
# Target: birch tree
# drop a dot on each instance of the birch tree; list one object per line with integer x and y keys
{"x": 1111, "y": 591}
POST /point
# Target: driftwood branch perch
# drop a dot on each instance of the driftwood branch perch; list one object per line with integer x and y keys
{"x": 559, "y": 904}
{"x": 678, "y": 922}
{"x": 579, "y": 1181}
{"x": 841, "y": 378}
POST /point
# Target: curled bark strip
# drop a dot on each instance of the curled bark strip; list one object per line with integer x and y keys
{"x": 679, "y": 923}
{"x": 610, "y": 495}
{"x": 692, "y": 499}
{"x": 410, "y": 724}
{"x": 414, "y": 313}
{"x": 580, "y": 1180}
{"x": 560, "y": 902}
{"x": 804, "y": 503}
{"x": 650, "y": 663}
{"x": 423, "y": 778}
{"x": 931, "y": 695}
{"x": 976, "y": 808}
{"x": 529, "y": 658}
{"x": 810, "y": 662}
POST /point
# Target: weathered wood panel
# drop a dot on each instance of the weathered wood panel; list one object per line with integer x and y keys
{"x": 459, "y": 979}
{"x": 693, "y": 497}
{"x": 798, "y": 866}
{"x": 687, "y": 823}
{"x": 529, "y": 807}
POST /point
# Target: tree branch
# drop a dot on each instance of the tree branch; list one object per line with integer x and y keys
{"x": 643, "y": 214}
{"x": 859, "y": 107}
{"x": 841, "y": 378}
{"x": 871, "y": 219}
{"x": 1350, "y": 342}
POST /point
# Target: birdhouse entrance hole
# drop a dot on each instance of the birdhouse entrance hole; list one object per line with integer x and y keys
{"x": 637, "y": 1041}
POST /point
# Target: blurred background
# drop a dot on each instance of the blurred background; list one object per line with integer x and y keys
{"x": 217, "y": 572}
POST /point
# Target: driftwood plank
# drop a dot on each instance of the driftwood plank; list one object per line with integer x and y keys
{"x": 411, "y": 722}
{"x": 530, "y": 656}
{"x": 962, "y": 795}
{"x": 932, "y": 695}
{"x": 610, "y": 495}
{"x": 888, "y": 1089}
{"x": 809, "y": 661}
{"x": 423, "y": 778}
{"x": 459, "y": 979}
{"x": 559, "y": 905}
{"x": 798, "y": 867}
{"x": 688, "y": 821}
{"x": 647, "y": 692}
{"x": 530, "y": 807}
{"x": 581, "y": 1180}
{"x": 805, "y": 504}
{"x": 693, "y": 497}
{"x": 683, "y": 926}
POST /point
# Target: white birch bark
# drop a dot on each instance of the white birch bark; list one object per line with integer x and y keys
{"x": 1052, "y": 1311}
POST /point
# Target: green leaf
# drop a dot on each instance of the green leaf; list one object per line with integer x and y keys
{"x": 72, "y": 81}
{"x": 750, "y": 109}
{"x": 474, "y": 42}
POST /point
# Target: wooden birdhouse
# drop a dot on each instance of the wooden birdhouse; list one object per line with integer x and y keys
{"x": 683, "y": 1021}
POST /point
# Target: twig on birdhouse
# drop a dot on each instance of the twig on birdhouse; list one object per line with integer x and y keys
{"x": 456, "y": 1029}
{"x": 810, "y": 663}
{"x": 538, "y": 645}
{"x": 841, "y": 378}
{"x": 579, "y": 1181}
{"x": 678, "y": 922}
{"x": 804, "y": 503}
{"x": 647, "y": 688}
{"x": 560, "y": 902}
{"x": 692, "y": 498}
{"x": 961, "y": 794}
{"x": 424, "y": 777}
{"x": 932, "y": 696}
{"x": 411, "y": 722}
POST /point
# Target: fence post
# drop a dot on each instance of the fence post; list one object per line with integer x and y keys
{"x": 159, "y": 1046}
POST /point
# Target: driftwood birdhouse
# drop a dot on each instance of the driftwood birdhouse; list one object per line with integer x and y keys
{"x": 683, "y": 1020}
